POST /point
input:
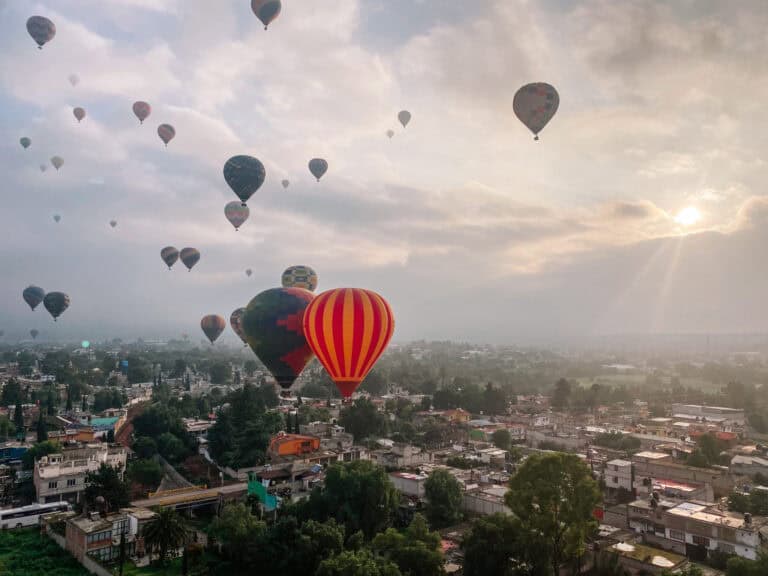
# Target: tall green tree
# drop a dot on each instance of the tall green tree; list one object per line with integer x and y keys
{"x": 554, "y": 496}
{"x": 502, "y": 439}
{"x": 561, "y": 394}
{"x": 11, "y": 394}
{"x": 6, "y": 428}
{"x": 18, "y": 417}
{"x": 496, "y": 545}
{"x": 106, "y": 482}
{"x": 360, "y": 563}
{"x": 42, "y": 428}
{"x": 166, "y": 533}
{"x": 444, "y": 497}
{"x": 362, "y": 419}
{"x": 416, "y": 552}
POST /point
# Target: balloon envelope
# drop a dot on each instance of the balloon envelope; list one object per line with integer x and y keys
{"x": 56, "y": 303}
{"x": 190, "y": 257}
{"x": 41, "y": 29}
{"x": 318, "y": 167}
{"x": 169, "y": 254}
{"x": 300, "y": 277}
{"x": 142, "y": 110}
{"x": 57, "y": 162}
{"x": 74, "y": 79}
{"x": 266, "y": 10}
{"x": 113, "y": 223}
{"x": 213, "y": 325}
{"x": 57, "y": 218}
{"x": 166, "y": 133}
{"x": 235, "y": 320}
{"x": 404, "y": 116}
{"x": 25, "y": 142}
{"x": 245, "y": 175}
{"x": 34, "y": 333}
{"x": 33, "y": 295}
{"x": 535, "y": 105}
{"x": 390, "y": 133}
{"x": 285, "y": 183}
{"x": 348, "y": 329}
{"x": 237, "y": 213}
{"x": 273, "y": 328}
{"x": 43, "y": 167}
{"x": 79, "y": 113}
{"x": 248, "y": 272}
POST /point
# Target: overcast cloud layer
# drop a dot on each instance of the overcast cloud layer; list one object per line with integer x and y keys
{"x": 466, "y": 225}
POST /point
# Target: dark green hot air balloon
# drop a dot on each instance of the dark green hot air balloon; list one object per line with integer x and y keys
{"x": 56, "y": 303}
{"x": 41, "y": 29}
{"x": 245, "y": 175}
{"x": 190, "y": 257}
{"x": 169, "y": 254}
{"x": 25, "y": 142}
{"x": 318, "y": 167}
{"x": 34, "y": 333}
{"x": 33, "y": 295}
{"x": 273, "y": 329}
{"x": 266, "y": 10}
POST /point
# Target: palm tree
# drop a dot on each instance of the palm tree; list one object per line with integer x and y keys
{"x": 167, "y": 532}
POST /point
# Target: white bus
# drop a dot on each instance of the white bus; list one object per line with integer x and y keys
{"x": 29, "y": 515}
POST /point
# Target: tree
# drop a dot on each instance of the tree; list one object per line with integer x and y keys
{"x": 42, "y": 428}
{"x": 18, "y": 417}
{"x": 6, "y": 428}
{"x": 426, "y": 404}
{"x": 106, "y": 482}
{"x": 360, "y": 563}
{"x": 250, "y": 367}
{"x": 375, "y": 383}
{"x": 166, "y": 533}
{"x": 710, "y": 448}
{"x": 561, "y": 394}
{"x": 220, "y": 372}
{"x": 51, "y": 402}
{"x": 179, "y": 368}
{"x": 11, "y": 394}
{"x": 554, "y": 496}
{"x": 362, "y": 419}
{"x": 697, "y": 459}
{"x": 146, "y": 472}
{"x": 171, "y": 448}
{"x": 38, "y": 451}
{"x": 502, "y": 439}
{"x": 444, "y": 496}
{"x": 608, "y": 564}
{"x": 145, "y": 447}
{"x": 416, "y": 552}
{"x": 235, "y": 527}
{"x": 494, "y": 400}
{"x": 69, "y": 401}
{"x": 495, "y": 545}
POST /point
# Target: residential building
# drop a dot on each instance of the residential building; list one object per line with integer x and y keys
{"x": 618, "y": 474}
{"x": 652, "y": 466}
{"x": 401, "y": 456}
{"x": 62, "y": 476}
{"x": 411, "y": 485}
{"x": 98, "y": 536}
{"x": 639, "y": 559}
{"x": 284, "y": 444}
{"x": 749, "y": 465}
{"x": 485, "y": 500}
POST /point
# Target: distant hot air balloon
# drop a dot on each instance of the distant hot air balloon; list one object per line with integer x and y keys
{"x": 273, "y": 328}
{"x": 390, "y": 133}
{"x": 43, "y": 167}
{"x": 142, "y": 110}
{"x": 57, "y": 162}
{"x": 190, "y": 257}
{"x": 33, "y": 295}
{"x": 166, "y": 133}
{"x": 535, "y": 105}
{"x": 169, "y": 254}
{"x": 213, "y": 325}
{"x": 348, "y": 329}
{"x": 34, "y": 333}
{"x": 79, "y": 113}
{"x": 237, "y": 213}
{"x": 41, "y": 29}
{"x": 235, "y": 320}
{"x": 245, "y": 175}
{"x": 113, "y": 223}
{"x": 57, "y": 218}
{"x": 74, "y": 79}
{"x": 266, "y": 10}
{"x": 25, "y": 142}
{"x": 404, "y": 116}
{"x": 56, "y": 303}
{"x": 2, "y": 333}
{"x": 300, "y": 277}
{"x": 318, "y": 167}
{"x": 248, "y": 272}
{"x": 285, "y": 183}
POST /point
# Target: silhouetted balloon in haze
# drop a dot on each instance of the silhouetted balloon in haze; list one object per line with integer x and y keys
{"x": 25, "y": 142}
{"x": 237, "y": 213}
{"x": 41, "y": 29}
{"x": 245, "y": 175}
{"x": 266, "y": 10}
{"x": 56, "y": 303}
{"x": 166, "y": 133}
{"x": 318, "y": 167}
{"x": 33, "y": 295}
{"x": 190, "y": 257}
{"x": 404, "y": 116}
{"x": 535, "y": 105}
{"x": 73, "y": 79}
{"x": 169, "y": 254}
{"x": 142, "y": 110}
{"x": 57, "y": 162}
{"x": 34, "y": 333}
{"x": 79, "y": 113}
{"x": 213, "y": 325}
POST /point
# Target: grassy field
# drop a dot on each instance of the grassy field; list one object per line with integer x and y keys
{"x": 27, "y": 553}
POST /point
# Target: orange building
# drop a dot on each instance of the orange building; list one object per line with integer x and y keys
{"x": 293, "y": 445}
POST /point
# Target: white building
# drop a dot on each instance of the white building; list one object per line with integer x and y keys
{"x": 714, "y": 413}
{"x": 409, "y": 484}
{"x": 618, "y": 474}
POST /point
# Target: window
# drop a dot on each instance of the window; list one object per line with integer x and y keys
{"x": 53, "y": 485}
{"x": 677, "y": 535}
{"x": 71, "y": 482}
{"x": 726, "y": 548}
{"x": 701, "y": 541}
{"x": 615, "y": 479}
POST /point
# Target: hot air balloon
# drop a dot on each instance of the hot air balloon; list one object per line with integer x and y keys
{"x": 300, "y": 277}
{"x": 25, "y": 142}
{"x": 404, "y": 116}
{"x": 142, "y": 110}
{"x": 41, "y": 29}
{"x": 57, "y": 218}
{"x": 169, "y": 254}
{"x": 74, "y": 79}
{"x": 245, "y": 175}
{"x": 213, "y": 325}
{"x": 248, "y": 272}
{"x": 285, "y": 183}
{"x": 2, "y": 333}
{"x": 266, "y": 10}
{"x": 190, "y": 257}
{"x": 318, "y": 167}
{"x": 237, "y": 213}
{"x": 273, "y": 328}
{"x": 43, "y": 167}
{"x": 166, "y": 133}
{"x": 348, "y": 329}
{"x": 33, "y": 295}
{"x": 56, "y": 303}
{"x": 57, "y": 162}
{"x": 390, "y": 133}
{"x": 34, "y": 333}
{"x": 235, "y": 320}
{"x": 113, "y": 223}
{"x": 535, "y": 104}
{"x": 79, "y": 113}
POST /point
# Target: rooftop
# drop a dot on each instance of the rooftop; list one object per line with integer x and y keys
{"x": 648, "y": 455}
{"x": 619, "y": 462}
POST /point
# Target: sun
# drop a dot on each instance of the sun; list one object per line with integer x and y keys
{"x": 688, "y": 216}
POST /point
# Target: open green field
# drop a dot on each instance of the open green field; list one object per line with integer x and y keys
{"x": 27, "y": 553}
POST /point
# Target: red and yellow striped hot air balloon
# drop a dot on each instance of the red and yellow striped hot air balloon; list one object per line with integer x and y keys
{"x": 348, "y": 329}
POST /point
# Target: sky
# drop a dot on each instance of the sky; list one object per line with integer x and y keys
{"x": 641, "y": 210}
